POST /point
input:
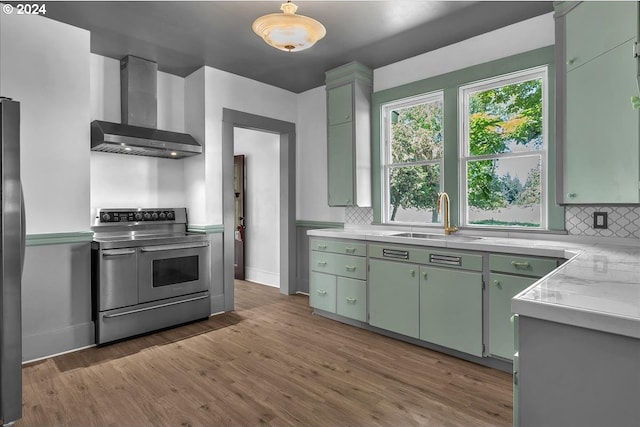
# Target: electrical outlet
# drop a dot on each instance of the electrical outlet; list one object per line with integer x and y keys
{"x": 600, "y": 220}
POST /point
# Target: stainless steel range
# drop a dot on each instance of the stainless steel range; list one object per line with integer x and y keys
{"x": 148, "y": 272}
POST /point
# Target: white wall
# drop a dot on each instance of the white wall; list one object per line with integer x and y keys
{"x": 45, "y": 66}
{"x": 223, "y": 90}
{"x": 521, "y": 37}
{"x": 262, "y": 204}
{"x": 121, "y": 181}
{"x": 311, "y": 158}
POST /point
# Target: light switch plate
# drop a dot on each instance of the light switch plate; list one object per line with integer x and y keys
{"x": 600, "y": 220}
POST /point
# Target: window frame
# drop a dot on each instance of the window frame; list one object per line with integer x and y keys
{"x": 450, "y": 81}
{"x": 385, "y": 155}
{"x": 464, "y": 157}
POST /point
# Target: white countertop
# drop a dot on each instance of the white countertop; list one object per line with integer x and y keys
{"x": 597, "y": 288}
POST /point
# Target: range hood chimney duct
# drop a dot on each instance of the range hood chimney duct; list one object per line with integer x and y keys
{"x": 138, "y": 133}
{"x": 138, "y": 87}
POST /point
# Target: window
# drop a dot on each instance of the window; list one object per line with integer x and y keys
{"x": 504, "y": 151}
{"x": 412, "y": 159}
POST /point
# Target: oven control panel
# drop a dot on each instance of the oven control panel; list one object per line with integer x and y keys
{"x": 136, "y": 216}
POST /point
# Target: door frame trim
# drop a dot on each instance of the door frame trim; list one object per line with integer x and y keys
{"x": 287, "y": 131}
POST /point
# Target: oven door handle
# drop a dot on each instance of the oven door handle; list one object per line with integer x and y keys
{"x": 118, "y": 252}
{"x": 160, "y": 248}
{"x": 139, "y": 310}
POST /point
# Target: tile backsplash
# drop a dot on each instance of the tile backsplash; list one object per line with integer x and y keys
{"x": 623, "y": 221}
{"x": 357, "y": 215}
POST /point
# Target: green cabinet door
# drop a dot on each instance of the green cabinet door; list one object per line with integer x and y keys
{"x": 602, "y": 144}
{"x": 595, "y": 27}
{"x": 340, "y": 164}
{"x": 340, "y": 104}
{"x": 502, "y": 288}
{"x": 393, "y": 296}
{"x": 451, "y": 309}
{"x": 322, "y": 291}
{"x": 352, "y": 298}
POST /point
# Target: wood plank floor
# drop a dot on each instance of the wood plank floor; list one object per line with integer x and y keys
{"x": 270, "y": 362}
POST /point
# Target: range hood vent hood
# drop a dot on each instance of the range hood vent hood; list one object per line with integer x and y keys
{"x": 138, "y": 133}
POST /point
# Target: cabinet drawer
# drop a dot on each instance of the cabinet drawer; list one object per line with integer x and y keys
{"x": 340, "y": 265}
{"x": 352, "y": 298}
{"x": 347, "y": 248}
{"x": 514, "y": 264}
{"x": 322, "y": 292}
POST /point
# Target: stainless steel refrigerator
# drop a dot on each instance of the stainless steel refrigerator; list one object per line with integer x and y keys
{"x": 11, "y": 263}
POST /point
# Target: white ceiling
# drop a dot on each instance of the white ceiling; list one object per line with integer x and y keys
{"x": 182, "y": 36}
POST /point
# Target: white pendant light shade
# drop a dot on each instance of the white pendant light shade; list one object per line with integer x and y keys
{"x": 288, "y": 31}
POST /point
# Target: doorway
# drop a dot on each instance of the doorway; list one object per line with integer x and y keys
{"x": 257, "y": 206}
{"x": 239, "y": 190}
{"x": 232, "y": 119}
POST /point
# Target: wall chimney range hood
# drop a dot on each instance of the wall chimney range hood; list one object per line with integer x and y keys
{"x": 138, "y": 133}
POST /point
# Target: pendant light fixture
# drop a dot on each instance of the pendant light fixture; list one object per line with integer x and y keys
{"x": 288, "y": 31}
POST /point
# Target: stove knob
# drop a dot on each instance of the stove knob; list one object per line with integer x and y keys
{"x": 163, "y": 215}
{"x": 147, "y": 216}
{"x": 106, "y": 217}
{"x": 170, "y": 215}
{"x": 138, "y": 216}
{"x": 154, "y": 216}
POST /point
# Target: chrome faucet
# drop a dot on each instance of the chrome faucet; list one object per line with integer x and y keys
{"x": 447, "y": 226}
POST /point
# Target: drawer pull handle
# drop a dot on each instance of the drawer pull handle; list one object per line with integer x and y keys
{"x": 445, "y": 259}
{"x": 572, "y": 195}
{"x": 395, "y": 253}
{"x": 424, "y": 275}
{"x": 322, "y": 263}
{"x": 350, "y": 250}
{"x": 322, "y": 246}
{"x": 497, "y": 283}
{"x": 350, "y": 267}
{"x": 412, "y": 272}
{"x": 322, "y": 292}
{"x": 520, "y": 264}
{"x": 351, "y": 300}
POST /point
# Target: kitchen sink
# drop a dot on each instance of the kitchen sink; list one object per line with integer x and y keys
{"x": 436, "y": 236}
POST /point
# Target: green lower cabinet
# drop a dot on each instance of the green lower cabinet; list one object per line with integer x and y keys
{"x": 352, "y": 298}
{"x": 502, "y": 288}
{"x": 394, "y": 297}
{"x": 322, "y": 291}
{"x": 451, "y": 309}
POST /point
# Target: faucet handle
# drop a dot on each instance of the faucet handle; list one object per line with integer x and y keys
{"x": 449, "y": 230}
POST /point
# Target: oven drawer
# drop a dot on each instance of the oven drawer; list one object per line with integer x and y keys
{"x": 118, "y": 278}
{"x": 125, "y": 322}
{"x": 167, "y": 271}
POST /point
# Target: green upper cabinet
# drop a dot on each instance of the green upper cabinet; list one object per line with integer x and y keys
{"x": 349, "y": 135}
{"x": 340, "y": 165}
{"x": 598, "y": 131}
{"x": 340, "y": 104}
{"x": 595, "y": 28}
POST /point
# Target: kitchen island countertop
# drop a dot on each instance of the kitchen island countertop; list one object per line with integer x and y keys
{"x": 597, "y": 288}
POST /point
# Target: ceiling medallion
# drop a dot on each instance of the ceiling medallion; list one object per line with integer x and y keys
{"x": 288, "y": 31}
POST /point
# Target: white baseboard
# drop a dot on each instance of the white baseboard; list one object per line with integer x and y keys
{"x": 263, "y": 277}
